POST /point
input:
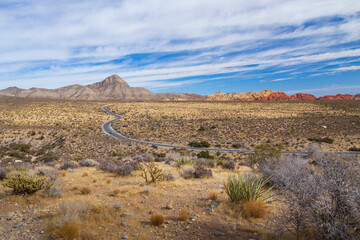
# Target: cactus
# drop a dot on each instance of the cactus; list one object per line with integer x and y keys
{"x": 22, "y": 184}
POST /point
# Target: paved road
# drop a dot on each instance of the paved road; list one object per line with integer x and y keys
{"x": 107, "y": 128}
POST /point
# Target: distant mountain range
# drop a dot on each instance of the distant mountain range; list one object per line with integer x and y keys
{"x": 115, "y": 88}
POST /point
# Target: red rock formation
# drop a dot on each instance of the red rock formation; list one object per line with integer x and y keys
{"x": 356, "y": 97}
{"x": 302, "y": 96}
{"x": 194, "y": 95}
{"x": 336, "y": 97}
{"x": 276, "y": 96}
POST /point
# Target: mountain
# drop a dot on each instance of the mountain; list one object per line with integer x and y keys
{"x": 336, "y": 97}
{"x": 111, "y": 88}
{"x": 115, "y": 88}
{"x": 264, "y": 95}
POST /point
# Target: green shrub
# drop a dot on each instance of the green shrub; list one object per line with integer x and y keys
{"x": 185, "y": 160}
{"x": 354, "y": 149}
{"x": 20, "y": 147}
{"x": 263, "y": 152}
{"x": 17, "y": 154}
{"x": 240, "y": 187}
{"x": 203, "y": 144}
{"x": 325, "y": 140}
{"x": 22, "y": 184}
{"x": 201, "y": 128}
{"x": 205, "y": 154}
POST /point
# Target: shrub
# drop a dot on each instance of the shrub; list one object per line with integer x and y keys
{"x": 205, "y": 154}
{"x": 255, "y": 208}
{"x": 17, "y": 154}
{"x": 201, "y": 172}
{"x": 236, "y": 145}
{"x": 88, "y": 163}
{"x": 187, "y": 172}
{"x": 150, "y": 172}
{"x": 47, "y": 157}
{"x": 354, "y": 149}
{"x": 185, "y": 160}
{"x": 117, "y": 167}
{"x": 169, "y": 176}
{"x": 203, "y": 144}
{"x": 69, "y": 164}
{"x": 85, "y": 174}
{"x": 67, "y": 231}
{"x": 213, "y": 195}
{"x": 263, "y": 152}
{"x": 143, "y": 158}
{"x": 201, "y": 128}
{"x": 20, "y": 147}
{"x": 184, "y": 214}
{"x": 228, "y": 165}
{"x": 46, "y": 171}
{"x": 323, "y": 198}
{"x": 157, "y": 219}
{"x": 248, "y": 187}
{"x": 22, "y": 184}
{"x": 325, "y": 140}
{"x": 2, "y": 173}
{"x": 85, "y": 190}
{"x": 56, "y": 188}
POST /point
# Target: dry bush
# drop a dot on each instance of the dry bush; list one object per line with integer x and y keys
{"x": 63, "y": 173}
{"x": 108, "y": 181}
{"x": 201, "y": 172}
{"x": 117, "y": 167}
{"x": 228, "y": 165}
{"x": 47, "y": 171}
{"x": 69, "y": 164}
{"x": 67, "y": 231}
{"x": 85, "y": 174}
{"x": 56, "y": 188}
{"x": 255, "y": 208}
{"x": 187, "y": 172}
{"x": 184, "y": 214}
{"x": 213, "y": 195}
{"x": 157, "y": 219}
{"x": 324, "y": 196}
{"x": 85, "y": 190}
{"x": 88, "y": 163}
{"x": 114, "y": 192}
{"x": 2, "y": 173}
{"x": 169, "y": 176}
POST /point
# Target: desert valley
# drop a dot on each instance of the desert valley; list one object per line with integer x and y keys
{"x": 63, "y": 177}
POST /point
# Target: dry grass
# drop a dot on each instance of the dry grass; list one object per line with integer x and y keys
{"x": 184, "y": 214}
{"x": 67, "y": 231}
{"x": 85, "y": 174}
{"x": 85, "y": 190}
{"x": 255, "y": 208}
{"x": 108, "y": 181}
{"x": 63, "y": 173}
{"x": 157, "y": 219}
{"x": 213, "y": 195}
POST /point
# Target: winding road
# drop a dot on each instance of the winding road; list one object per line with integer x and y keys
{"x": 107, "y": 128}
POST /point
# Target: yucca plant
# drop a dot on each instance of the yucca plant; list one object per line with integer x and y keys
{"x": 241, "y": 187}
{"x": 185, "y": 160}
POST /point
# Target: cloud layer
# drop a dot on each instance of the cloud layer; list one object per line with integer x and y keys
{"x": 161, "y": 44}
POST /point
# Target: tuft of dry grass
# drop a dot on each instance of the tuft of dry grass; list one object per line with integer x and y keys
{"x": 108, "y": 181}
{"x": 67, "y": 231}
{"x": 255, "y": 208}
{"x": 184, "y": 214}
{"x": 114, "y": 192}
{"x": 157, "y": 219}
{"x": 63, "y": 173}
{"x": 213, "y": 195}
{"x": 85, "y": 174}
{"x": 85, "y": 190}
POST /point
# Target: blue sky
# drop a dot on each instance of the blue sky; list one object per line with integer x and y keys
{"x": 201, "y": 46}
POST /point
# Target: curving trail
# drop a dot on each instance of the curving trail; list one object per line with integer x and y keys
{"x": 108, "y": 129}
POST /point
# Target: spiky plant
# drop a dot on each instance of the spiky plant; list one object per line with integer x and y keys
{"x": 241, "y": 187}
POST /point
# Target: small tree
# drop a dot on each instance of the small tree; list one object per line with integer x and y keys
{"x": 150, "y": 172}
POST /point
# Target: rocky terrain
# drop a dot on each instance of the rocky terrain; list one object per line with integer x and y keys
{"x": 115, "y": 88}
{"x": 112, "y": 88}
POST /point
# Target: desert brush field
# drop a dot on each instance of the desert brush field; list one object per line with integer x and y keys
{"x": 62, "y": 177}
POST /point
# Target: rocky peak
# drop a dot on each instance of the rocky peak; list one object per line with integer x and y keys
{"x": 112, "y": 80}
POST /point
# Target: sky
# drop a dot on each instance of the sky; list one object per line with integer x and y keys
{"x": 193, "y": 46}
